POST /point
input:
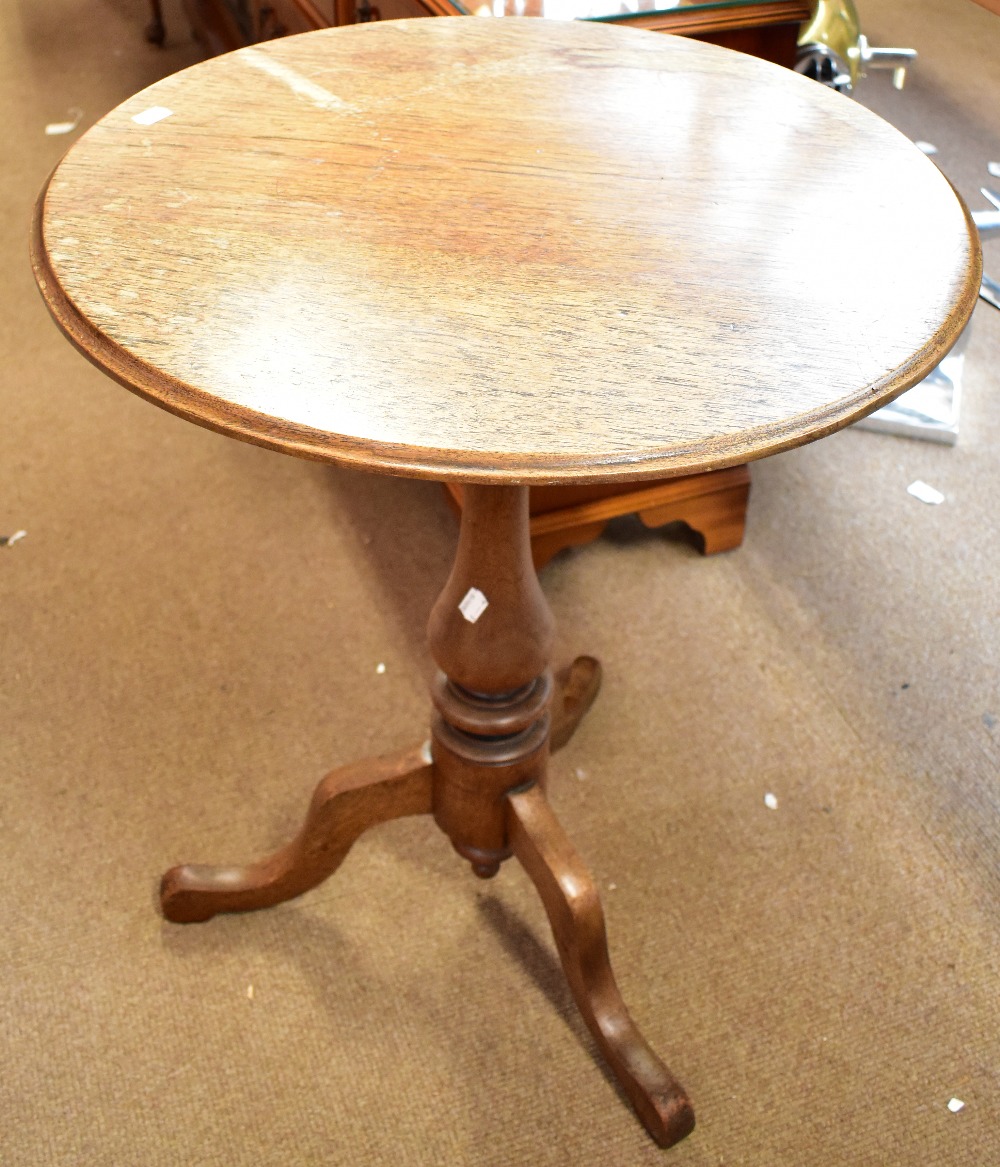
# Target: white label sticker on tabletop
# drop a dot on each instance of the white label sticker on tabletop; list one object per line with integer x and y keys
{"x": 473, "y": 605}
{"x": 149, "y": 117}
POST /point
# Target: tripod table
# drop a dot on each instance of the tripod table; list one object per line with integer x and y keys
{"x": 500, "y": 254}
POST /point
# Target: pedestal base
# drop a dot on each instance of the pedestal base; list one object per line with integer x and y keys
{"x": 482, "y": 775}
{"x": 353, "y": 798}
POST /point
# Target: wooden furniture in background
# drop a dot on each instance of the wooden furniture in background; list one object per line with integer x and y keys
{"x": 712, "y": 504}
{"x": 456, "y": 259}
{"x": 763, "y": 28}
{"x": 768, "y": 29}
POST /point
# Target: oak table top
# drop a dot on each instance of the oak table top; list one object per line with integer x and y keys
{"x": 505, "y": 251}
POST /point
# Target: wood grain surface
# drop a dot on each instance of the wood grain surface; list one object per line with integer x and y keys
{"x": 505, "y": 251}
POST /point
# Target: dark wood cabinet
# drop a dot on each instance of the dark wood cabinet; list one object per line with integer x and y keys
{"x": 762, "y": 28}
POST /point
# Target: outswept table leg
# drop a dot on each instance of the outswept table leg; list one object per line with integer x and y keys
{"x": 574, "y": 910}
{"x": 346, "y": 803}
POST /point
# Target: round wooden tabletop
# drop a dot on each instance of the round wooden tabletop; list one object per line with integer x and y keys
{"x": 505, "y": 251}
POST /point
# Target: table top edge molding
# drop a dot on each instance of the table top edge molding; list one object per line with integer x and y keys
{"x": 301, "y": 441}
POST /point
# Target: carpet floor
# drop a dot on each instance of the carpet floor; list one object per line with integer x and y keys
{"x": 191, "y": 632}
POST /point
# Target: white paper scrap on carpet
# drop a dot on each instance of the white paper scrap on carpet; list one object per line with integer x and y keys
{"x": 925, "y": 493}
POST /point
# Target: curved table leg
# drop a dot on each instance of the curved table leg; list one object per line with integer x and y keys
{"x": 574, "y": 911}
{"x": 346, "y": 803}
{"x": 576, "y": 686}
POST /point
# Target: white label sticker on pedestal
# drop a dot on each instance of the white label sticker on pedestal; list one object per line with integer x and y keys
{"x": 473, "y": 605}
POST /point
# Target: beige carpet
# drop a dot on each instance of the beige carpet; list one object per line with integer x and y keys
{"x": 190, "y": 635}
